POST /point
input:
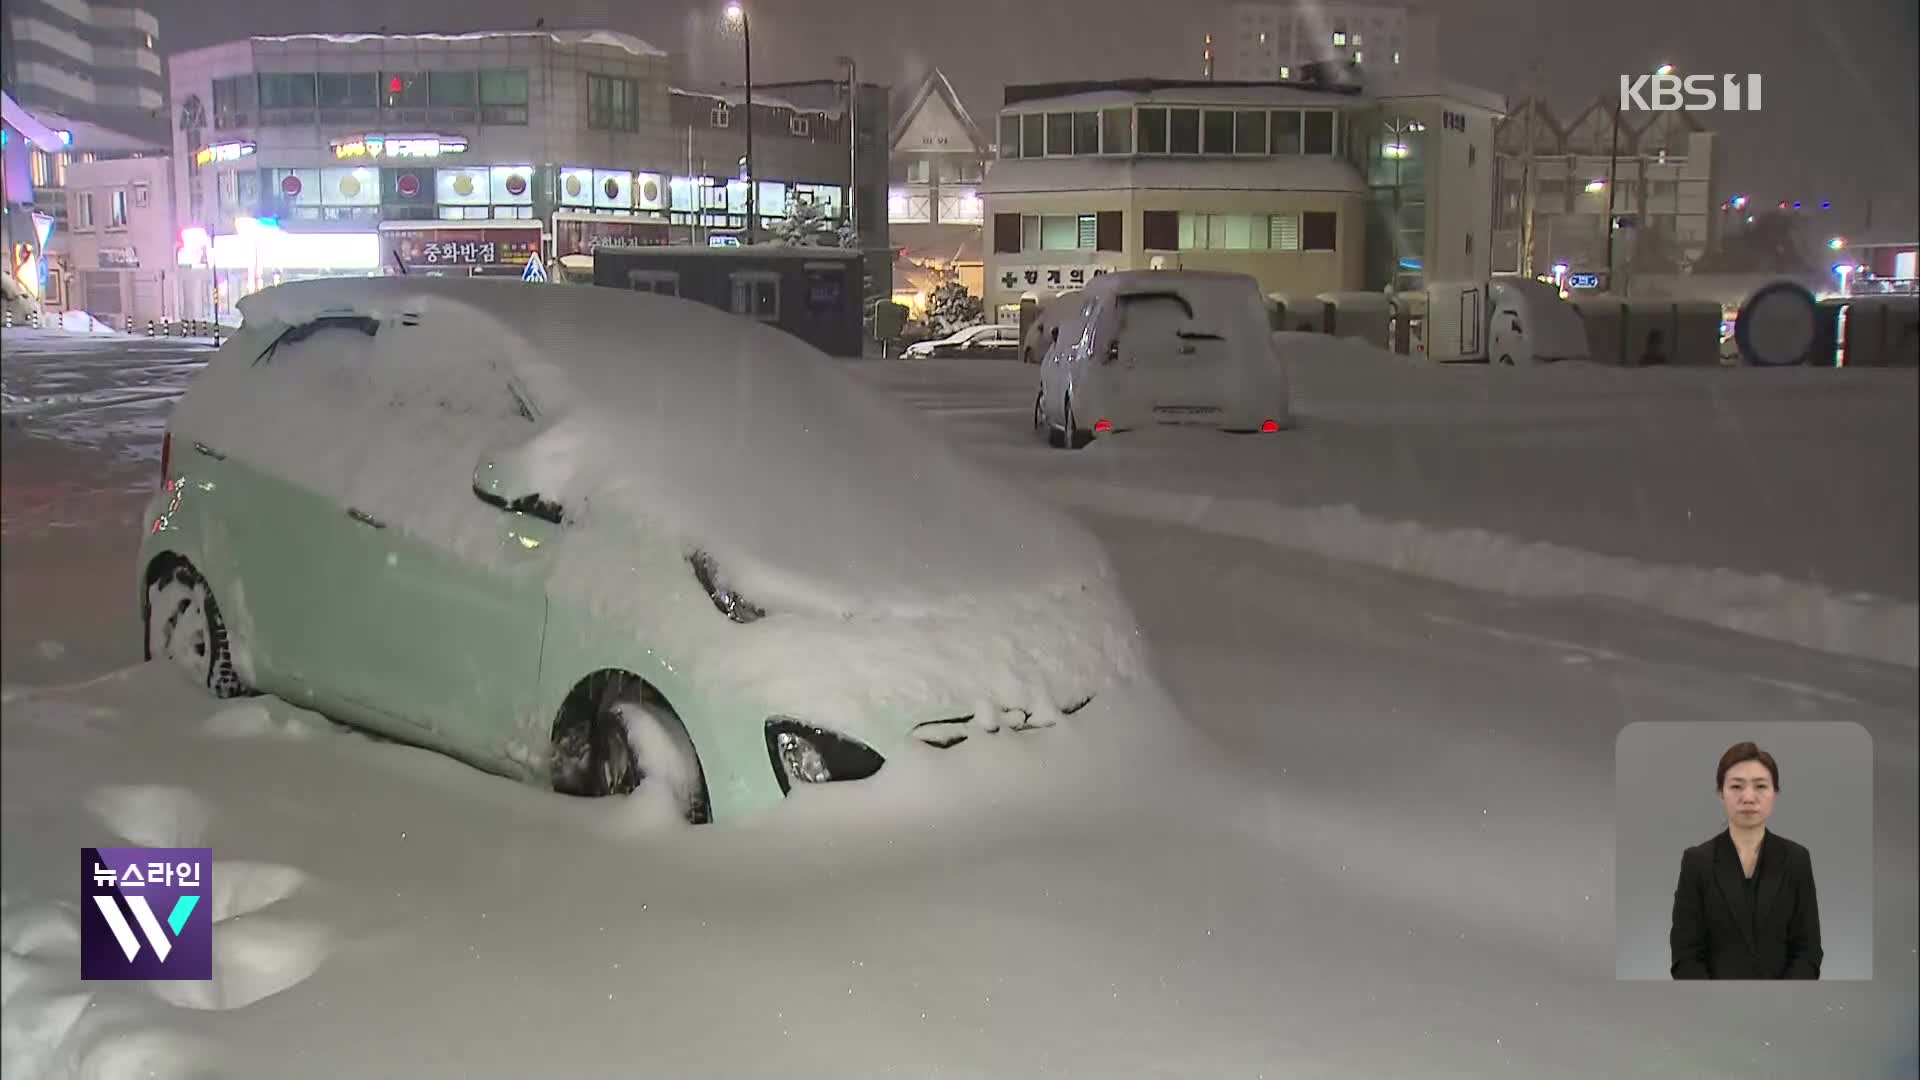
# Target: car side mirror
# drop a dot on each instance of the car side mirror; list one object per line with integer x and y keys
{"x": 496, "y": 483}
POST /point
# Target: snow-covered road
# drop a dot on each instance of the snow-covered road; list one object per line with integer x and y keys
{"x": 1379, "y": 845}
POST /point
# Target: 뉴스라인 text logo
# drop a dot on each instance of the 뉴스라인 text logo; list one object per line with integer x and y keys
{"x": 146, "y": 913}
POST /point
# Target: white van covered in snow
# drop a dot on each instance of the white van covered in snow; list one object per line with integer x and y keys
{"x": 1155, "y": 347}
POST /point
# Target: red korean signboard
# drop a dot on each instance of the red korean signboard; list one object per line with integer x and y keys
{"x": 579, "y": 237}
{"x": 456, "y": 248}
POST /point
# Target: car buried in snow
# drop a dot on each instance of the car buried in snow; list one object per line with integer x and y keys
{"x": 606, "y": 542}
{"x": 1162, "y": 347}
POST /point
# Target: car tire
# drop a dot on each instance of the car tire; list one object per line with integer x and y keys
{"x": 1071, "y": 436}
{"x": 615, "y": 734}
{"x": 1039, "y": 411}
{"x": 183, "y": 625}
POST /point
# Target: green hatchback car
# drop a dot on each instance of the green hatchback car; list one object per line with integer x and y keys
{"x": 608, "y": 541}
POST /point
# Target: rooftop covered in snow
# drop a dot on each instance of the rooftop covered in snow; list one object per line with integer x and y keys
{"x": 570, "y": 38}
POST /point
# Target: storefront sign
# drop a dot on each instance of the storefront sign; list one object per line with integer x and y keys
{"x": 119, "y": 258}
{"x": 458, "y": 248}
{"x": 1048, "y": 277}
{"x": 233, "y": 151}
{"x": 573, "y": 236}
{"x": 399, "y": 146}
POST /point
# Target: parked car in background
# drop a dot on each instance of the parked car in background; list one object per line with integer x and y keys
{"x": 982, "y": 340}
{"x": 1157, "y": 347}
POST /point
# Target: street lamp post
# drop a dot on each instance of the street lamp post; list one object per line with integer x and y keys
{"x": 1613, "y": 168}
{"x": 737, "y": 16}
{"x": 853, "y": 146}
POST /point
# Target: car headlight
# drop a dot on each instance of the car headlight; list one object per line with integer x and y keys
{"x": 804, "y": 754}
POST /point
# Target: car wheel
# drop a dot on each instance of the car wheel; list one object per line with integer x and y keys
{"x": 1039, "y": 413}
{"x": 183, "y": 625}
{"x": 1071, "y": 436}
{"x": 616, "y": 735}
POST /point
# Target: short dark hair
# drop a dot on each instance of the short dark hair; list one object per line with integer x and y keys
{"x": 1745, "y": 751}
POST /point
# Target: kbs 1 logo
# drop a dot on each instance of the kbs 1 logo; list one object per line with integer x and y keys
{"x": 1693, "y": 93}
{"x": 146, "y": 913}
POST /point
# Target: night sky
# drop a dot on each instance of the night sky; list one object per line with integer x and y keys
{"x": 1841, "y": 105}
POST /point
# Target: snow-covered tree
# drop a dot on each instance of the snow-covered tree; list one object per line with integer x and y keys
{"x": 950, "y": 306}
{"x": 808, "y": 225}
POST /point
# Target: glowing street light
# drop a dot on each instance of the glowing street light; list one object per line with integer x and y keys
{"x": 1836, "y": 243}
{"x": 1594, "y": 187}
{"x": 1739, "y": 202}
{"x": 1664, "y": 69}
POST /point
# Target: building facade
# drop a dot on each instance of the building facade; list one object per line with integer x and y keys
{"x": 118, "y": 260}
{"x": 92, "y": 60}
{"x": 1262, "y": 42}
{"x": 1554, "y": 209}
{"x": 1307, "y": 189}
{"x": 934, "y": 209}
{"x": 313, "y": 155}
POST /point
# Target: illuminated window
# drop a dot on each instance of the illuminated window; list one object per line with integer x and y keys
{"x": 1339, "y": 38}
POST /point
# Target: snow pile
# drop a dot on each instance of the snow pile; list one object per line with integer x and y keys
{"x": 875, "y": 550}
{"x": 1306, "y": 346}
{"x": 1764, "y": 605}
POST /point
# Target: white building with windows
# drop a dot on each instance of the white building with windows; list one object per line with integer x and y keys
{"x": 95, "y": 61}
{"x": 1261, "y": 42}
{"x": 119, "y": 258}
{"x": 934, "y": 210}
{"x": 1309, "y": 189}
{"x": 326, "y": 154}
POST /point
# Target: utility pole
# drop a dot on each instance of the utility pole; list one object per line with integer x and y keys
{"x": 1613, "y": 169}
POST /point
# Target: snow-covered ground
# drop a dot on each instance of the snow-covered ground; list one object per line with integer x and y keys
{"x": 1375, "y": 842}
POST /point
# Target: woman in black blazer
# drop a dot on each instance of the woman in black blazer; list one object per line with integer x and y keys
{"x": 1745, "y": 906}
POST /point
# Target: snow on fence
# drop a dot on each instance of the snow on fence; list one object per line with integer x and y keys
{"x": 1763, "y": 605}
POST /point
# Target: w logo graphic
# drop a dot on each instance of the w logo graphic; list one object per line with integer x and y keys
{"x": 150, "y": 926}
{"x": 125, "y": 892}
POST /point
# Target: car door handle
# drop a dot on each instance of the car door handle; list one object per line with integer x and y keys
{"x": 365, "y": 518}
{"x": 208, "y": 451}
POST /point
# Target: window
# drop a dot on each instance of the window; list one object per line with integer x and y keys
{"x": 402, "y": 90}
{"x": 119, "y": 210}
{"x": 799, "y": 126}
{"x": 83, "y": 210}
{"x": 1183, "y": 131}
{"x": 1160, "y": 229}
{"x": 142, "y": 194}
{"x": 1059, "y": 134}
{"x": 1153, "y": 131}
{"x": 1033, "y": 135}
{"x": 1223, "y": 232}
{"x": 1216, "y": 132}
{"x": 1089, "y": 232}
{"x": 1286, "y": 72}
{"x": 1356, "y": 38}
{"x": 1056, "y": 232}
{"x": 282, "y": 91}
{"x": 1283, "y": 232}
{"x": 503, "y": 96}
{"x": 1319, "y": 230}
{"x": 453, "y": 89}
{"x": 1286, "y": 132}
{"x": 1116, "y": 131}
{"x": 1250, "y": 132}
{"x": 721, "y": 115}
{"x": 614, "y": 104}
{"x": 661, "y": 282}
{"x": 1109, "y": 232}
{"x": 1339, "y": 37}
{"x": 234, "y": 100}
{"x": 756, "y": 294}
{"x": 347, "y": 90}
{"x": 1009, "y": 136}
{"x": 1086, "y": 133}
{"x": 1318, "y": 132}
{"x": 1006, "y": 234}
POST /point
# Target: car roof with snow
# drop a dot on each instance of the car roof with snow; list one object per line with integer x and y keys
{"x": 735, "y": 435}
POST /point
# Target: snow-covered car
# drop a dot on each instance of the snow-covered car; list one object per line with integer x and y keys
{"x": 984, "y": 339}
{"x": 1163, "y": 347}
{"x": 606, "y": 541}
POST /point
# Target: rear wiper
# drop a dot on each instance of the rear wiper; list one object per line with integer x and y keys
{"x": 1198, "y": 335}
{"x": 363, "y": 323}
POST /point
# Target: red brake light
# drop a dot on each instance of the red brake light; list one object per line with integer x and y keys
{"x": 1270, "y": 426}
{"x": 1102, "y": 425}
{"x": 166, "y": 460}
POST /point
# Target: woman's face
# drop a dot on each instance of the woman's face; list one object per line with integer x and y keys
{"x": 1747, "y": 794}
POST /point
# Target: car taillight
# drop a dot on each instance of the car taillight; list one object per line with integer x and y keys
{"x": 1270, "y": 426}
{"x": 1102, "y": 425}
{"x": 166, "y": 460}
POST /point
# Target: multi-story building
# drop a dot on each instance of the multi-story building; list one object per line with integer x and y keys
{"x": 91, "y": 60}
{"x": 1261, "y": 42}
{"x": 318, "y": 154}
{"x": 934, "y": 210}
{"x": 1563, "y": 186}
{"x": 1309, "y": 188}
{"x": 118, "y": 259}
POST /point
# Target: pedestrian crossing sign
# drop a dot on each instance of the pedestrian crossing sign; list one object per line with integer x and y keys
{"x": 534, "y": 271}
